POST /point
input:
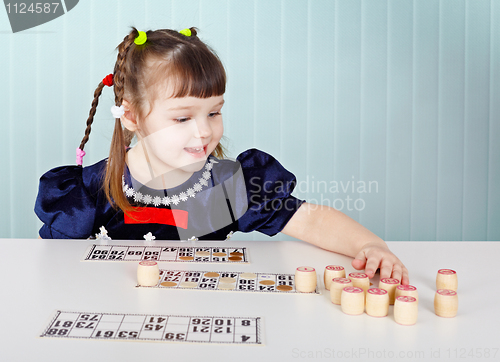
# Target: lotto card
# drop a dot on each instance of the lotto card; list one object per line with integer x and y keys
{"x": 155, "y": 328}
{"x": 193, "y": 254}
{"x": 229, "y": 281}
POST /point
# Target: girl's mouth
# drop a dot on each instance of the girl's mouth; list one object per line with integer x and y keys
{"x": 196, "y": 151}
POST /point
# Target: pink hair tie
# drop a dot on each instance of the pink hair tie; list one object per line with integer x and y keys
{"x": 79, "y": 156}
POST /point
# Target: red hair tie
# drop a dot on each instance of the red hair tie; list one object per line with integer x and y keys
{"x": 108, "y": 80}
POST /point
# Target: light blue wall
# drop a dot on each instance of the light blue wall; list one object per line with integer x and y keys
{"x": 399, "y": 95}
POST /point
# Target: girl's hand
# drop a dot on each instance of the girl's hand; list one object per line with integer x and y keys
{"x": 332, "y": 230}
{"x": 373, "y": 256}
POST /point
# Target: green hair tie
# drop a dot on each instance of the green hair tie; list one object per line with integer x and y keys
{"x": 186, "y": 32}
{"x": 141, "y": 38}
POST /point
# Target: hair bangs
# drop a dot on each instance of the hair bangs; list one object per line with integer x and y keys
{"x": 196, "y": 72}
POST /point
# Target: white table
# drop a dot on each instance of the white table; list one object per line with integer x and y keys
{"x": 42, "y": 276}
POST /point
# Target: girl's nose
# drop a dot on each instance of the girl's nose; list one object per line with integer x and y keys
{"x": 203, "y": 128}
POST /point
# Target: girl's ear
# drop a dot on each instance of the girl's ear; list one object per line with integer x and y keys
{"x": 128, "y": 119}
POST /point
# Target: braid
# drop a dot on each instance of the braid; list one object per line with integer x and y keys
{"x": 95, "y": 102}
{"x": 116, "y": 161}
{"x": 118, "y": 77}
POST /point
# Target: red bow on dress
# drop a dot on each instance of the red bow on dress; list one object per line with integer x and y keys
{"x": 152, "y": 215}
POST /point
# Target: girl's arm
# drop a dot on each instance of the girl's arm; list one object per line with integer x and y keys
{"x": 332, "y": 230}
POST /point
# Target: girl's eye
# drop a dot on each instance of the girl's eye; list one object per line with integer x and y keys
{"x": 213, "y": 114}
{"x": 182, "y": 119}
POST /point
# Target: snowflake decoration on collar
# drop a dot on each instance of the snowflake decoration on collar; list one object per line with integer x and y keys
{"x": 183, "y": 196}
{"x": 175, "y": 199}
{"x": 137, "y": 196}
{"x": 147, "y": 199}
{"x": 149, "y": 237}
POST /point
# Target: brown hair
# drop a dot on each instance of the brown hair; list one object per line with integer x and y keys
{"x": 192, "y": 69}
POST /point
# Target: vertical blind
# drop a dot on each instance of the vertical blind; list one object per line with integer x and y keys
{"x": 388, "y": 110}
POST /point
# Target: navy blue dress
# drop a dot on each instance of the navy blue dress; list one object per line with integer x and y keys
{"x": 251, "y": 193}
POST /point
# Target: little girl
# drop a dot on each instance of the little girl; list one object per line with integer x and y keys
{"x": 176, "y": 183}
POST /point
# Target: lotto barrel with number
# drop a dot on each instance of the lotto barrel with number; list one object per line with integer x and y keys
{"x": 406, "y": 290}
{"x": 305, "y": 279}
{"x": 446, "y": 303}
{"x": 336, "y": 289}
{"x": 447, "y": 279}
{"x": 148, "y": 273}
{"x": 360, "y": 280}
{"x": 377, "y": 302}
{"x": 352, "y": 300}
{"x": 332, "y": 272}
{"x": 390, "y": 285}
{"x": 406, "y": 311}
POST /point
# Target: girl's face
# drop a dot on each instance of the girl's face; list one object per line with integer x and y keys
{"x": 179, "y": 134}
